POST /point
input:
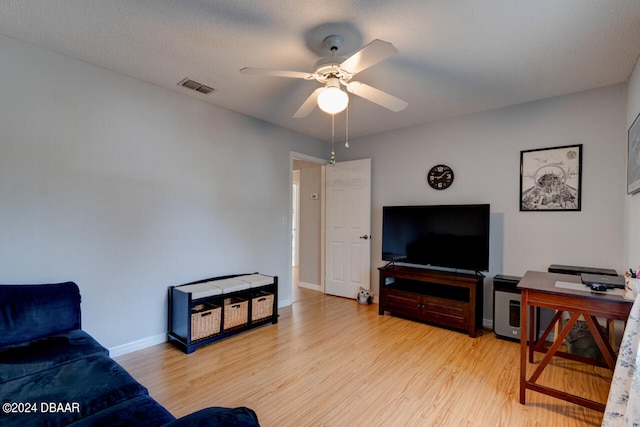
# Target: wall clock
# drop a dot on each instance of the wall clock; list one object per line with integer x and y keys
{"x": 440, "y": 177}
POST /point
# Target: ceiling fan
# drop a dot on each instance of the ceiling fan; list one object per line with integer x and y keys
{"x": 334, "y": 71}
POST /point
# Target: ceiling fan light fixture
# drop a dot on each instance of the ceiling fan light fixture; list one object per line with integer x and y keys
{"x": 332, "y": 99}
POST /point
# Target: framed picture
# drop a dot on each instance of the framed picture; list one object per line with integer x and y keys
{"x": 551, "y": 179}
{"x": 633, "y": 158}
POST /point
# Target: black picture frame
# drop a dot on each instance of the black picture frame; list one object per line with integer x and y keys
{"x": 633, "y": 157}
{"x": 551, "y": 179}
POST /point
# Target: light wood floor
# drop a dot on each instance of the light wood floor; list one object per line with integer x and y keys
{"x": 332, "y": 362}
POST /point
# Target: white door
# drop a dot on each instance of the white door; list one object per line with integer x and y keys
{"x": 348, "y": 227}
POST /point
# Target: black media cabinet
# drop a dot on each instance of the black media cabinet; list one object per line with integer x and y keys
{"x": 448, "y": 299}
{"x": 209, "y": 310}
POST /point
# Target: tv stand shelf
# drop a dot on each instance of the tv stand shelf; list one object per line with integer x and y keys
{"x": 448, "y": 299}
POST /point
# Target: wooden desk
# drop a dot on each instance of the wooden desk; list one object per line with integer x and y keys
{"x": 539, "y": 290}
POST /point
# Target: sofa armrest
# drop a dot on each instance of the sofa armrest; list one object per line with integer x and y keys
{"x": 219, "y": 417}
{"x": 29, "y": 312}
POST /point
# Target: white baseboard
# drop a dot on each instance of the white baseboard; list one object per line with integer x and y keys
{"x": 120, "y": 350}
{"x": 487, "y": 323}
{"x": 311, "y": 286}
{"x": 284, "y": 303}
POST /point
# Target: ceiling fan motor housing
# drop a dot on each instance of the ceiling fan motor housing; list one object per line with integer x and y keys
{"x": 326, "y": 68}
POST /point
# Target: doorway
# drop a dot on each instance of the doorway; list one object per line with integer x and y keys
{"x": 307, "y": 225}
{"x": 347, "y": 264}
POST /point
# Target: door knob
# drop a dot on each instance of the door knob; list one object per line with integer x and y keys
{"x": 365, "y": 237}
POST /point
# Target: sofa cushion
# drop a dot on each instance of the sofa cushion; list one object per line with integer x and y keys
{"x": 141, "y": 411}
{"x": 83, "y": 388}
{"x": 30, "y": 357}
{"x": 29, "y": 312}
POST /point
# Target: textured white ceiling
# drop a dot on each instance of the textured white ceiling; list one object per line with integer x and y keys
{"x": 456, "y": 56}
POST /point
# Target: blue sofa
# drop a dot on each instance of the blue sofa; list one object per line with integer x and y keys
{"x": 52, "y": 373}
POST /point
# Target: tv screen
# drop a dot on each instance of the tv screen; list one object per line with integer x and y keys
{"x": 451, "y": 236}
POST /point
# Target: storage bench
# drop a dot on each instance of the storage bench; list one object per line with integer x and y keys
{"x": 212, "y": 309}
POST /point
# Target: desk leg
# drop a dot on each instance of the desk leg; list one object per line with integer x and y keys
{"x": 605, "y": 348}
{"x": 554, "y": 347}
{"x": 524, "y": 299}
{"x": 611, "y": 333}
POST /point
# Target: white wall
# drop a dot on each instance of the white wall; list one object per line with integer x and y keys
{"x": 484, "y": 152}
{"x": 632, "y": 206}
{"x": 127, "y": 188}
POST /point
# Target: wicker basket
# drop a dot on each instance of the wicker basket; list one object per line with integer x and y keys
{"x": 205, "y": 321}
{"x": 262, "y": 306}
{"x": 236, "y": 312}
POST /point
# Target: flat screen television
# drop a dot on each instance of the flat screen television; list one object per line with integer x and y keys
{"x": 450, "y": 236}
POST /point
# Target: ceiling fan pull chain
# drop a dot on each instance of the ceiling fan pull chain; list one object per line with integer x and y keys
{"x": 333, "y": 153}
{"x": 346, "y": 138}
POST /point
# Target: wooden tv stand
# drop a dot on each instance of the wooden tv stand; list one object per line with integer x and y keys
{"x": 448, "y": 299}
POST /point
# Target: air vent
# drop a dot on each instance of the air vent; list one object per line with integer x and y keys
{"x": 190, "y": 84}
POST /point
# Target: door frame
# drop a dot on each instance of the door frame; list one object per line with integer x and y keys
{"x": 293, "y": 155}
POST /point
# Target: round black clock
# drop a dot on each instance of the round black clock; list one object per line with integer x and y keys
{"x": 440, "y": 177}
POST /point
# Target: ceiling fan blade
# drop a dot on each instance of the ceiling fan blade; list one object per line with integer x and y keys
{"x": 369, "y": 55}
{"x": 309, "y": 104}
{"x": 377, "y": 96}
{"x": 277, "y": 73}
